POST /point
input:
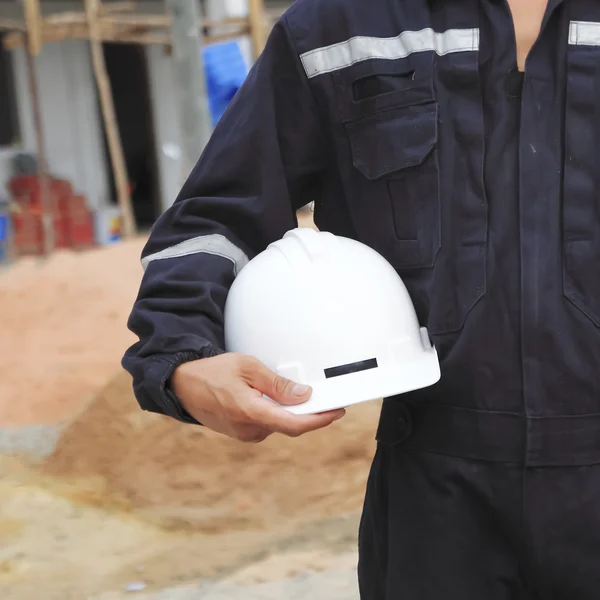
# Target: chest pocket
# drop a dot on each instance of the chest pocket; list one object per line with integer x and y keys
{"x": 413, "y": 133}
{"x": 390, "y": 122}
{"x": 581, "y": 204}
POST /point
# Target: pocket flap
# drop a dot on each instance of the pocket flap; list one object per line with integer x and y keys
{"x": 393, "y": 140}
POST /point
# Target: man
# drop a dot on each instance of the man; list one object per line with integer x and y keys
{"x": 418, "y": 127}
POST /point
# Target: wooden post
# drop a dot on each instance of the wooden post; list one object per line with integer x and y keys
{"x": 196, "y": 125}
{"x": 42, "y": 164}
{"x": 33, "y": 19}
{"x": 256, "y": 9}
{"x": 92, "y": 9}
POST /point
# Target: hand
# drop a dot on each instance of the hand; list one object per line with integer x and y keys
{"x": 225, "y": 394}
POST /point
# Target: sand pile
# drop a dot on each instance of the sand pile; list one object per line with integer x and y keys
{"x": 187, "y": 476}
{"x": 63, "y": 324}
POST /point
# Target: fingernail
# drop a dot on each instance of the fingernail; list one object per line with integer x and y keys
{"x": 299, "y": 389}
{"x": 338, "y": 417}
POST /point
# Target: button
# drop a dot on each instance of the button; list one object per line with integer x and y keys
{"x": 403, "y": 425}
{"x": 395, "y": 423}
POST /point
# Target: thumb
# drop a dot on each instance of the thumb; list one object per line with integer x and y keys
{"x": 278, "y": 388}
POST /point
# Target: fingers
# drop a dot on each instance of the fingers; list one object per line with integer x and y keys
{"x": 253, "y": 418}
{"x": 226, "y": 394}
{"x": 280, "y": 389}
{"x": 286, "y": 392}
{"x": 252, "y": 434}
{"x": 279, "y": 420}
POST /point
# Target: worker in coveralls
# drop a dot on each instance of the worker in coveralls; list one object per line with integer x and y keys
{"x": 418, "y": 128}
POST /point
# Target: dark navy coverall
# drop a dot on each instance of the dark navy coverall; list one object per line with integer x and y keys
{"x": 408, "y": 124}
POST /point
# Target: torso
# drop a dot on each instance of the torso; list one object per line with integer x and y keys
{"x": 481, "y": 188}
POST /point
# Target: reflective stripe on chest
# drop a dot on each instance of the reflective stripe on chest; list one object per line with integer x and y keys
{"x": 357, "y": 49}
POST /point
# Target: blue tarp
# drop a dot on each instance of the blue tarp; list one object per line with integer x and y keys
{"x": 226, "y": 70}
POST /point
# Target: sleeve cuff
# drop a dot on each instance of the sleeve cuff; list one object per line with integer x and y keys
{"x": 154, "y": 392}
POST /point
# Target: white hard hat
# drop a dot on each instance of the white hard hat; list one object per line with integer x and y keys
{"x": 332, "y": 313}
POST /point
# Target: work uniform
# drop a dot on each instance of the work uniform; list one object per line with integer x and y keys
{"x": 409, "y": 126}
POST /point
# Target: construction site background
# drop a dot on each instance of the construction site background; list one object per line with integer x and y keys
{"x": 102, "y": 501}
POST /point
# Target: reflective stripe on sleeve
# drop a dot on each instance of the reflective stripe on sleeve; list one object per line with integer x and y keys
{"x": 214, "y": 244}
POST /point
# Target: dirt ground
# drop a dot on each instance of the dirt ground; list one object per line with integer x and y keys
{"x": 63, "y": 323}
{"x": 132, "y": 504}
{"x": 164, "y": 504}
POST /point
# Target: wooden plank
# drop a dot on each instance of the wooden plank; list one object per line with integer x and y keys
{"x": 221, "y": 37}
{"x": 16, "y": 40}
{"x": 63, "y": 26}
{"x": 210, "y": 23}
{"x": 164, "y": 20}
{"x": 116, "y": 7}
{"x": 160, "y": 21}
{"x": 92, "y": 8}
{"x": 13, "y": 40}
{"x": 149, "y": 21}
{"x": 233, "y": 25}
{"x": 55, "y": 33}
{"x": 146, "y": 39}
{"x": 12, "y": 25}
{"x": 65, "y": 18}
{"x": 33, "y": 19}
{"x": 257, "y": 26}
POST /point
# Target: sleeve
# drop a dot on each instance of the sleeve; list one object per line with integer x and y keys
{"x": 263, "y": 162}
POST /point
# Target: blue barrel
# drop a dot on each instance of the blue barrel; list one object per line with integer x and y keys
{"x": 5, "y": 236}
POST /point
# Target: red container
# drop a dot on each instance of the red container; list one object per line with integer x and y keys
{"x": 80, "y": 229}
{"x": 34, "y": 200}
{"x": 21, "y": 185}
{"x": 62, "y": 188}
{"x": 72, "y": 204}
{"x": 28, "y": 236}
{"x": 72, "y": 220}
{"x": 27, "y": 191}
